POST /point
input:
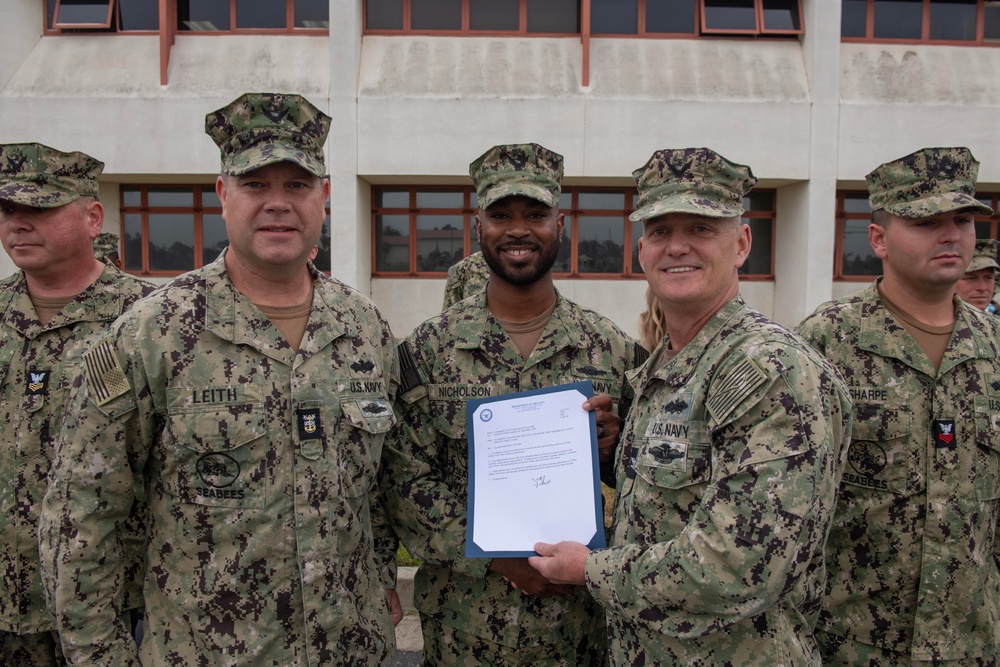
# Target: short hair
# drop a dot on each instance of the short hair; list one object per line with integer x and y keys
{"x": 881, "y": 217}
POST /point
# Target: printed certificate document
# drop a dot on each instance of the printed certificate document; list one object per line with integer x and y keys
{"x": 533, "y": 472}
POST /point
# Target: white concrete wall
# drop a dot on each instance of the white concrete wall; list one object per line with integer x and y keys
{"x": 809, "y": 116}
{"x": 896, "y": 99}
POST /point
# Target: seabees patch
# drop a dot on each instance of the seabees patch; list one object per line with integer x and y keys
{"x": 105, "y": 376}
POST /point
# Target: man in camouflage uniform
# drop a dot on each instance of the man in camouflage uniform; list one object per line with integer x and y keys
{"x": 253, "y": 395}
{"x": 978, "y": 284}
{"x": 730, "y": 455}
{"x": 912, "y": 555}
{"x": 465, "y": 278}
{"x": 50, "y": 310}
{"x": 517, "y": 334}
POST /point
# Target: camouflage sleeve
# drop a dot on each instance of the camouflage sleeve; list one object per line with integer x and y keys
{"x": 90, "y": 495}
{"x": 385, "y": 538}
{"x": 815, "y": 330}
{"x": 453, "y": 287}
{"x": 427, "y": 514}
{"x": 636, "y": 356}
{"x": 761, "y": 521}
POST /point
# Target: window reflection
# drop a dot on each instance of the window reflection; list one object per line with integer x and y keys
{"x": 494, "y": 15}
{"x": 954, "y": 20}
{"x": 898, "y": 19}
{"x": 203, "y": 14}
{"x": 439, "y": 241}
{"x": 261, "y": 14}
{"x": 614, "y": 17}
{"x": 601, "y": 245}
{"x": 436, "y": 14}
{"x": 213, "y": 237}
{"x": 392, "y": 241}
{"x": 171, "y": 242}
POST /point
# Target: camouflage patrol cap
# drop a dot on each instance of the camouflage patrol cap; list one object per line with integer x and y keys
{"x": 39, "y": 176}
{"x": 105, "y": 246}
{"x": 925, "y": 183}
{"x": 258, "y": 129}
{"x": 530, "y": 170}
{"x": 985, "y": 256}
{"x": 691, "y": 180}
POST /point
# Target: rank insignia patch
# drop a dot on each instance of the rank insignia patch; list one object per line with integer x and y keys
{"x": 310, "y": 427}
{"x": 944, "y": 434}
{"x": 38, "y": 383}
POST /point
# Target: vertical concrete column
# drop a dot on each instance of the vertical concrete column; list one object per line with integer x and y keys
{"x": 804, "y": 241}
{"x": 20, "y": 30}
{"x": 350, "y": 230}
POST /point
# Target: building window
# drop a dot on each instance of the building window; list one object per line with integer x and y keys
{"x": 855, "y": 259}
{"x": 168, "y": 230}
{"x": 192, "y": 15}
{"x": 421, "y": 231}
{"x": 102, "y": 15}
{"x": 475, "y": 16}
{"x": 969, "y": 22}
{"x": 607, "y": 17}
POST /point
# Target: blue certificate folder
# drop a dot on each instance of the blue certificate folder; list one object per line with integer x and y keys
{"x": 472, "y": 550}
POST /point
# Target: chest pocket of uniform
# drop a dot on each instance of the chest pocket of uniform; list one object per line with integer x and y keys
{"x": 879, "y": 458}
{"x": 987, "y": 455}
{"x": 219, "y": 448}
{"x": 674, "y": 464}
{"x": 368, "y": 420}
{"x": 603, "y": 380}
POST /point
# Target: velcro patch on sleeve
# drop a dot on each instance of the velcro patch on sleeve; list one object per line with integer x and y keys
{"x": 733, "y": 388}
{"x": 105, "y": 376}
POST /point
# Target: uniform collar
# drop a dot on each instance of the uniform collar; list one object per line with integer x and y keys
{"x": 102, "y": 301}
{"x": 233, "y": 317}
{"x": 679, "y": 370}
{"x": 883, "y": 335}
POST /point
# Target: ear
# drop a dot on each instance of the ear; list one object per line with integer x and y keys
{"x": 642, "y": 261}
{"x": 220, "y": 190}
{"x": 560, "y": 224}
{"x": 94, "y": 215}
{"x": 876, "y": 237}
{"x": 743, "y": 245}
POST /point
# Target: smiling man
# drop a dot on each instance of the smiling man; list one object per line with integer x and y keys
{"x": 60, "y": 300}
{"x": 912, "y": 555}
{"x": 517, "y": 334}
{"x": 730, "y": 456}
{"x": 253, "y": 395}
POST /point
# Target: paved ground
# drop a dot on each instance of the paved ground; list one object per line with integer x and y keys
{"x": 409, "y": 642}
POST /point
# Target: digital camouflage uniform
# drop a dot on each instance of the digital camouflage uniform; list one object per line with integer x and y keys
{"x": 913, "y": 553}
{"x": 726, "y": 489}
{"x": 727, "y": 471}
{"x": 469, "y": 615}
{"x": 465, "y": 278}
{"x": 38, "y": 366}
{"x": 260, "y": 464}
{"x": 464, "y": 354}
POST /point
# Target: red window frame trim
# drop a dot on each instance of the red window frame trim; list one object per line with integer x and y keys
{"x": 112, "y": 13}
{"x": 573, "y": 214}
{"x": 925, "y": 28}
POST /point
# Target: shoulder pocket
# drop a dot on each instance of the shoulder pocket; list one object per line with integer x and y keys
{"x": 987, "y": 455}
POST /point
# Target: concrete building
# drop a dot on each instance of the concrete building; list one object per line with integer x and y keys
{"x": 812, "y": 94}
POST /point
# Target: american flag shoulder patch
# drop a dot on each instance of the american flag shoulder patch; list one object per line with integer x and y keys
{"x": 105, "y": 376}
{"x": 733, "y": 388}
